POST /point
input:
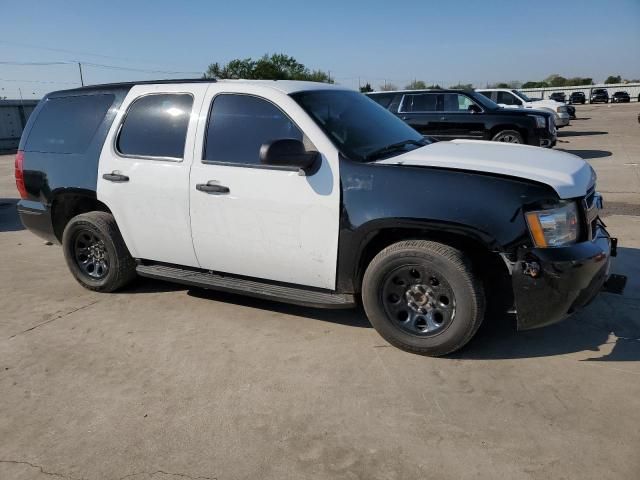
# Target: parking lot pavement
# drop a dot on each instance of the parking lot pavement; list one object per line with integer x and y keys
{"x": 165, "y": 382}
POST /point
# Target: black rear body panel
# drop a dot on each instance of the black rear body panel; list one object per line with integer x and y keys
{"x": 47, "y": 175}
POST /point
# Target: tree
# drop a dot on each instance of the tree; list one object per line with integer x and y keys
{"x": 268, "y": 67}
{"x": 434, "y": 86}
{"x": 462, "y": 86}
{"x": 366, "y": 88}
{"x": 388, "y": 87}
{"x": 613, "y": 79}
{"x": 416, "y": 85}
{"x": 535, "y": 85}
{"x": 555, "y": 80}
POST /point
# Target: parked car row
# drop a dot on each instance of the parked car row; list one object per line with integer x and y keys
{"x": 598, "y": 95}
{"x": 312, "y": 194}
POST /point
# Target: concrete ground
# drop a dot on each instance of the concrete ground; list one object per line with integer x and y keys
{"x": 164, "y": 382}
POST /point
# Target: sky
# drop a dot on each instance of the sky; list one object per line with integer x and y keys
{"x": 443, "y": 42}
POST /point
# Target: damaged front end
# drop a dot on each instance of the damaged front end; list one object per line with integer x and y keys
{"x": 552, "y": 282}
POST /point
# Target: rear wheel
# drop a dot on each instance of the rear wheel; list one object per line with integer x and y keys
{"x": 96, "y": 253}
{"x": 422, "y": 297}
{"x": 508, "y": 136}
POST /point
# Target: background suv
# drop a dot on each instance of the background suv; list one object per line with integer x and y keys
{"x": 620, "y": 97}
{"x": 451, "y": 114}
{"x": 558, "y": 97}
{"x": 577, "y": 97}
{"x": 599, "y": 95}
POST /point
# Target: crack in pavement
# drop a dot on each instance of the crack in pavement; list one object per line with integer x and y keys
{"x": 181, "y": 475}
{"x": 39, "y": 467}
{"x": 54, "y": 319}
{"x": 131, "y": 475}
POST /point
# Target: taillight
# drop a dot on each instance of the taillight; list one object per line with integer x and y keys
{"x": 19, "y": 171}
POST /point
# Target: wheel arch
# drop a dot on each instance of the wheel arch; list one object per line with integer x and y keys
{"x": 482, "y": 250}
{"x": 68, "y": 203}
{"x": 506, "y": 126}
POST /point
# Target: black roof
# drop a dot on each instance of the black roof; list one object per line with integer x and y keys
{"x": 128, "y": 85}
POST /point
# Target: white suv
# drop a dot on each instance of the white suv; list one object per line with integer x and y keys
{"x": 311, "y": 194}
{"x": 511, "y": 98}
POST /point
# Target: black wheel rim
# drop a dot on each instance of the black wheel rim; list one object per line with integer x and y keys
{"x": 418, "y": 300}
{"x": 90, "y": 254}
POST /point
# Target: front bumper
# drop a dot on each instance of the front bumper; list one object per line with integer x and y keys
{"x": 562, "y": 119}
{"x": 567, "y": 279}
{"x": 544, "y": 138}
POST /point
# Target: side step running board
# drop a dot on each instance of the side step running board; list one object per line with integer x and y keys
{"x": 254, "y": 288}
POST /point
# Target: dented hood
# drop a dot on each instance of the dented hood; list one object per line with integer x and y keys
{"x": 567, "y": 174}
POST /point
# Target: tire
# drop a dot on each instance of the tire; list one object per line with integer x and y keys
{"x": 443, "y": 300}
{"x": 96, "y": 253}
{"x": 508, "y": 136}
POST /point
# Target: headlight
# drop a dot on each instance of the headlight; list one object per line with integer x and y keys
{"x": 540, "y": 121}
{"x": 555, "y": 227}
{"x": 562, "y": 109}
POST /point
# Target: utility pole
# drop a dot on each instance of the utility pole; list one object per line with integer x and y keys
{"x": 81, "y": 79}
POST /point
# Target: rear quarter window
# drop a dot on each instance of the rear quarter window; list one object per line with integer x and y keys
{"x": 68, "y": 124}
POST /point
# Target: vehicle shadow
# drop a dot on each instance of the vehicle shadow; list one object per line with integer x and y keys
{"x": 588, "y": 154}
{"x": 572, "y": 133}
{"x": 9, "y": 218}
{"x": 609, "y": 319}
{"x": 354, "y": 317}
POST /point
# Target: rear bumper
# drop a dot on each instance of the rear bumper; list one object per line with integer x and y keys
{"x": 37, "y": 217}
{"x": 568, "y": 279}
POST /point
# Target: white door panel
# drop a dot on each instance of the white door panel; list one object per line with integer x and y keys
{"x": 273, "y": 224}
{"x": 152, "y": 208}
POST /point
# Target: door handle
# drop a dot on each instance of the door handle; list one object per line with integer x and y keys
{"x": 404, "y": 118}
{"x": 115, "y": 177}
{"x": 213, "y": 188}
{"x": 443, "y": 118}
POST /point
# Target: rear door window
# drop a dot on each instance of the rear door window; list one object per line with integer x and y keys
{"x": 420, "y": 102}
{"x": 68, "y": 124}
{"x": 156, "y": 126}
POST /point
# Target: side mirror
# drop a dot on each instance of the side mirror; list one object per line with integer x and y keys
{"x": 473, "y": 108}
{"x": 287, "y": 152}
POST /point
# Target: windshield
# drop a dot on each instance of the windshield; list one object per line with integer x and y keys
{"x": 522, "y": 96}
{"x": 359, "y": 127}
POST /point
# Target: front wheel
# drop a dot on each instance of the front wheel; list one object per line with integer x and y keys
{"x": 508, "y": 136}
{"x": 96, "y": 253}
{"x": 421, "y": 296}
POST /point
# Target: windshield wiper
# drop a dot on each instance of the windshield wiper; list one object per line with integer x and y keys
{"x": 394, "y": 147}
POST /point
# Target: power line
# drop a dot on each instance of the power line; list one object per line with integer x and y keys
{"x": 35, "y": 81}
{"x": 75, "y": 52}
{"x": 34, "y": 63}
{"x": 101, "y": 65}
{"x": 117, "y": 67}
